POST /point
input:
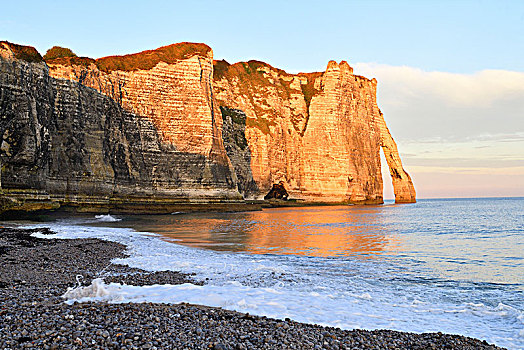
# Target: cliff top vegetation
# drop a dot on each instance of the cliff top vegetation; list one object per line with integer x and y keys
{"x": 25, "y": 53}
{"x": 150, "y": 58}
{"x": 65, "y": 56}
{"x": 253, "y": 79}
{"x": 57, "y": 52}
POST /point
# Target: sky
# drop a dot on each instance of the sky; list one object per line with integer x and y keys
{"x": 451, "y": 73}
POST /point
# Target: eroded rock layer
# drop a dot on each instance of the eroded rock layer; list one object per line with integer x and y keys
{"x": 171, "y": 125}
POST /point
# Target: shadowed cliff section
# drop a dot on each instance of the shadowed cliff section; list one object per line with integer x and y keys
{"x": 234, "y": 136}
{"x": 67, "y": 144}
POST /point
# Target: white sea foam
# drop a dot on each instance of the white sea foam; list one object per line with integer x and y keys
{"x": 337, "y": 292}
{"x": 107, "y": 218}
{"x": 97, "y": 289}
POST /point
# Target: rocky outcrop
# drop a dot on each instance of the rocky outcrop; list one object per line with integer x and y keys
{"x": 402, "y": 184}
{"x": 161, "y": 128}
{"x": 278, "y": 191}
{"x": 319, "y": 133}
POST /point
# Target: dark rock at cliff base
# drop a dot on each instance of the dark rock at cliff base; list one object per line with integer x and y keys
{"x": 278, "y": 191}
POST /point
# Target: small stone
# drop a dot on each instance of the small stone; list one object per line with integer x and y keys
{"x": 219, "y": 346}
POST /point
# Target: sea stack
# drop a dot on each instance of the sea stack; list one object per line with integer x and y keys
{"x": 170, "y": 127}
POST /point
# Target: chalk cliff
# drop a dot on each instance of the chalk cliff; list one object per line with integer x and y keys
{"x": 64, "y": 143}
{"x": 152, "y": 130}
{"x": 318, "y": 133}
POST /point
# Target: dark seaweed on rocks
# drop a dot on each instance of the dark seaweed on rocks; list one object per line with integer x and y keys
{"x": 35, "y": 272}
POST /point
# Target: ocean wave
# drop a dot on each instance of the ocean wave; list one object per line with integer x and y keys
{"x": 346, "y": 294}
{"x": 107, "y": 218}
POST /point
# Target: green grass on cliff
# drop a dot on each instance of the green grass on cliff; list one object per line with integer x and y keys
{"x": 58, "y": 52}
{"x": 309, "y": 89}
{"x": 143, "y": 60}
{"x": 25, "y": 53}
{"x": 66, "y": 57}
{"x": 72, "y": 61}
{"x": 261, "y": 124}
{"x": 220, "y": 69}
{"x": 148, "y": 59}
{"x": 253, "y": 83}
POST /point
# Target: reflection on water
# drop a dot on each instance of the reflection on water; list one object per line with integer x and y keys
{"x": 318, "y": 232}
{"x": 312, "y": 231}
{"x": 466, "y": 239}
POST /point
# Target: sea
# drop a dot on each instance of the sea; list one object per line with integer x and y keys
{"x": 438, "y": 265}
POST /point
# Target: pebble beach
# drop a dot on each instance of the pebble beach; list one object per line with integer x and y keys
{"x": 36, "y": 272}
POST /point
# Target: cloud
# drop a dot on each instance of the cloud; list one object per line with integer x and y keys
{"x": 512, "y": 171}
{"x": 482, "y": 88}
{"x": 463, "y": 162}
{"x": 438, "y": 105}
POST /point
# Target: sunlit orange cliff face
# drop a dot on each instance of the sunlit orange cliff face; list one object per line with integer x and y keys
{"x": 171, "y": 123}
{"x": 320, "y": 133}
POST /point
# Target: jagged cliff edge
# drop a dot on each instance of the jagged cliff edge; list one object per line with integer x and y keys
{"x": 170, "y": 127}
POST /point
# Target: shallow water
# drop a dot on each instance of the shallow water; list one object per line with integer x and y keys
{"x": 455, "y": 266}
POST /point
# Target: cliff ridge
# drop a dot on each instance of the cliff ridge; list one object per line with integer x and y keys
{"x": 171, "y": 126}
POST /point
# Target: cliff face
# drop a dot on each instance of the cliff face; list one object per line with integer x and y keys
{"x": 172, "y": 89}
{"x": 319, "y": 133}
{"x": 173, "y": 126}
{"x": 65, "y": 143}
